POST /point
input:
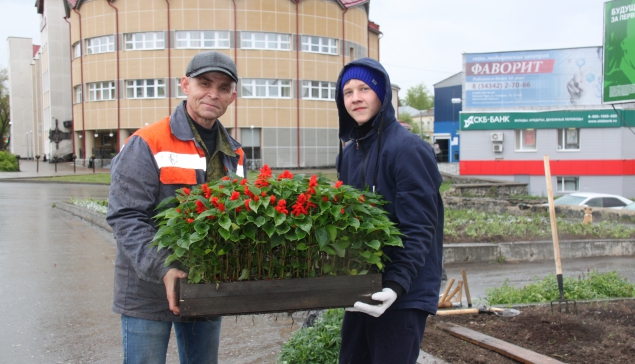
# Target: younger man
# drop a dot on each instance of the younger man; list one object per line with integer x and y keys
{"x": 400, "y": 166}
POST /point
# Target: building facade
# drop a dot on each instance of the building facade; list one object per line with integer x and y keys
{"x": 522, "y": 106}
{"x": 128, "y": 57}
{"x": 447, "y": 106}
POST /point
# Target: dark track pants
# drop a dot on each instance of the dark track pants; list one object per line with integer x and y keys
{"x": 394, "y": 337}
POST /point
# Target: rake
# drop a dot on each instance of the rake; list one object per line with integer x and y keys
{"x": 562, "y": 301}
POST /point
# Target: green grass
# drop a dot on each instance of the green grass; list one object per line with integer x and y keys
{"x": 101, "y": 178}
{"x": 592, "y": 286}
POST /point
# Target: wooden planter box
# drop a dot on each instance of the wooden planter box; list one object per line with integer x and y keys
{"x": 294, "y": 294}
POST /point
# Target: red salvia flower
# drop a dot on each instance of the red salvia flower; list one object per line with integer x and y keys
{"x": 200, "y": 207}
{"x": 235, "y": 180}
{"x": 186, "y": 190}
{"x": 272, "y": 199}
{"x": 189, "y": 221}
{"x": 325, "y": 199}
{"x": 361, "y": 198}
{"x": 286, "y": 174}
{"x": 342, "y": 211}
{"x": 221, "y": 207}
{"x": 243, "y": 182}
{"x": 263, "y": 194}
{"x": 265, "y": 171}
{"x": 338, "y": 184}
{"x": 235, "y": 196}
{"x": 239, "y": 209}
{"x": 247, "y": 204}
{"x": 226, "y": 178}
{"x": 282, "y": 206}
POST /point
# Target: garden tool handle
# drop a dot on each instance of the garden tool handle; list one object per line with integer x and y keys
{"x": 467, "y": 288}
{"x": 454, "y": 291}
{"x": 552, "y": 214}
{"x": 464, "y": 311}
{"x": 447, "y": 289}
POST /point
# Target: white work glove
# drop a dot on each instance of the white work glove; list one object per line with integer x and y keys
{"x": 387, "y": 296}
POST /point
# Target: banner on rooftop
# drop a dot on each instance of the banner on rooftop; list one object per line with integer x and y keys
{"x": 556, "y": 77}
{"x": 619, "y": 55}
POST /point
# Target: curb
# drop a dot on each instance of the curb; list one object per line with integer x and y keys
{"x": 94, "y": 218}
{"x": 531, "y": 251}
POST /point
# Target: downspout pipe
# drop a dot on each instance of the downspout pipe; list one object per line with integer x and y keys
{"x": 236, "y": 63}
{"x": 70, "y": 41}
{"x": 298, "y": 88}
{"x": 118, "y": 78}
{"x": 344, "y": 38}
{"x": 81, "y": 63}
{"x": 169, "y": 63}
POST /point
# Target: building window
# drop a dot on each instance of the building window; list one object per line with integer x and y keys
{"x": 249, "y": 40}
{"x": 319, "y": 45}
{"x": 318, "y": 90}
{"x": 179, "y": 92}
{"x": 568, "y": 184}
{"x": 250, "y": 140}
{"x": 265, "y": 88}
{"x": 526, "y": 140}
{"x": 148, "y": 40}
{"x": 78, "y": 94}
{"x": 77, "y": 50}
{"x": 202, "y": 39}
{"x": 569, "y": 139}
{"x": 99, "y": 91}
{"x": 145, "y": 89}
{"x": 100, "y": 44}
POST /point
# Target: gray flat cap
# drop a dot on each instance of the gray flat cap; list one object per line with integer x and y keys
{"x": 212, "y": 62}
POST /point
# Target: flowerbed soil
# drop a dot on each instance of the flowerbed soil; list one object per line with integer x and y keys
{"x": 601, "y": 332}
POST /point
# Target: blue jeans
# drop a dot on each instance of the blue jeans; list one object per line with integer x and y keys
{"x": 146, "y": 341}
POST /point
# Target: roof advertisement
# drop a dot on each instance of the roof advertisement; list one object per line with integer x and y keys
{"x": 553, "y": 119}
{"x": 619, "y": 58}
{"x": 557, "y": 77}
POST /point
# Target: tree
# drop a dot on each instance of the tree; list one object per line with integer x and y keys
{"x": 419, "y": 97}
{"x": 5, "y": 116}
{"x": 406, "y": 118}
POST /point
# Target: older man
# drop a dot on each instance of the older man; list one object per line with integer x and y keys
{"x": 187, "y": 148}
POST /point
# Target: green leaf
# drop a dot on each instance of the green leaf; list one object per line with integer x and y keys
{"x": 269, "y": 229}
{"x": 250, "y": 231}
{"x": 225, "y": 222}
{"x": 322, "y": 236}
{"x": 373, "y": 259}
{"x": 353, "y": 222}
{"x": 332, "y": 229}
{"x": 277, "y": 240}
{"x": 244, "y": 274}
{"x": 183, "y": 243}
{"x": 260, "y": 221}
{"x": 171, "y": 258}
{"x": 375, "y": 244}
{"x": 300, "y": 234}
{"x": 179, "y": 252}
{"x": 224, "y": 233}
{"x": 283, "y": 229}
{"x": 328, "y": 250}
{"x": 327, "y": 268}
{"x": 279, "y": 218}
{"x": 339, "y": 251}
{"x": 302, "y": 247}
{"x": 166, "y": 201}
{"x": 305, "y": 224}
{"x": 194, "y": 237}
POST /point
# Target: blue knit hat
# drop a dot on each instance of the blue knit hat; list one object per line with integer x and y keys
{"x": 370, "y": 76}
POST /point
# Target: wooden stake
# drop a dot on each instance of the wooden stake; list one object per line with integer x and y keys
{"x": 447, "y": 289}
{"x": 467, "y": 288}
{"x": 458, "y": 287}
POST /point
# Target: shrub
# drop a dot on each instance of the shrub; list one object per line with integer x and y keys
{"x": 8, "y": 162}
{"x": 318, "y": 344}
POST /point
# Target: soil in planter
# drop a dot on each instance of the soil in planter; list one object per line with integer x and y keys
{"x": 601, "y": 332}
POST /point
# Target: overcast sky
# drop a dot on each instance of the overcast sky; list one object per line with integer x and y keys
{"x": 423, "y": 39}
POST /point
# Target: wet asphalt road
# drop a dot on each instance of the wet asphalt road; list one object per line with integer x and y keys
{"x": 55, "y": 279}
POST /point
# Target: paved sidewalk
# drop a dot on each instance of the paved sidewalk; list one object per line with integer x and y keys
{"x": 32, "y": 169}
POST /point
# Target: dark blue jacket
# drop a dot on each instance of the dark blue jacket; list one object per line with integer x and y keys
{"x": 402, "y": 168}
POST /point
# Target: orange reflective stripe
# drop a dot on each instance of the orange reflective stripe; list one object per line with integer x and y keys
{"x": 178, "y": 176}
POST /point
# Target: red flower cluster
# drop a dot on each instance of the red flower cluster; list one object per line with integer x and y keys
{"x": 206, "y": 191}
{"x": 286, "y": 174}
{"x": 234, "y": 196}
{"x": 282, "y": 206}
{"x": 263, "y": 177}
{"x": 200, "y": 207}
{"x": 338, "y": 184}
{"x": 219, "y": 205}
{"x": 312, "y": 184}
